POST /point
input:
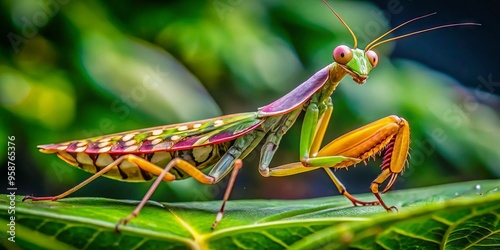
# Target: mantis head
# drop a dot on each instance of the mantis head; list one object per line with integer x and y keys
{"x": 358, "y": 63}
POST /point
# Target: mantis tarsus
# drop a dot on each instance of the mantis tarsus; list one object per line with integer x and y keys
{"x": 181, "y": 151}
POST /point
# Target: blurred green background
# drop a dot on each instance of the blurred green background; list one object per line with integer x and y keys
{"x": 76, "y": 69}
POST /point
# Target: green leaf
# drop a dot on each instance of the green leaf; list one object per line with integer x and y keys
{"x": 460, "y": 215}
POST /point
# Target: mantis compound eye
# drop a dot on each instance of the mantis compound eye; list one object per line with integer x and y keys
{"x": 372, "y": 57}
{"x": 342, "y": 54}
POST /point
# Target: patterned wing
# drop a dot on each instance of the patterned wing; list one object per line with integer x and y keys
{"x": 298, "y": 96}
{"x": 164, "y": 138}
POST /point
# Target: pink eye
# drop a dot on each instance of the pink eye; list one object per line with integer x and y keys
{"x": 372, "y": 57}
{"x": 342, "y": 54}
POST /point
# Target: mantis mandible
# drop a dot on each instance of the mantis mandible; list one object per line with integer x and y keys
{"x": 180, "y": 151}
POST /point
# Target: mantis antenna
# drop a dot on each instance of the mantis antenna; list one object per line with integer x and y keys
{"x": 418, "y": 32}
{"x": 395, "y": 28}
{"x": 344, "y": 23}
{"x": 376, "y": 42}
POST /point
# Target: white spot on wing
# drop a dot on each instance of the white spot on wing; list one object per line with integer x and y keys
{"x": 151, "y": 138}
{"x": 163, "y": 145}
{"x": 104, "y": 150}
{"x": 156, "y": 141}
{"x": 182, "y": 128}
{"x": 128, "y": 136}
{"x": 218, "y": 123}
{"x": 157, "y": 132}
{"x": 80, "y": 149}
{"x": 103, "y": 144}
{"x": 131, "y": 148}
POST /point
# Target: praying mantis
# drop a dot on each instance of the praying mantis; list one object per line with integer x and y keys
{"x": 218, "y": 145}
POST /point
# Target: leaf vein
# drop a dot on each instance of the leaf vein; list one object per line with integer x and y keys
{"x": 90, "y": 240}
{"x": 239, "y": 244}
{"x": 186, "y": 225}
{"x": 482, "y": 238}
{"x": 441, "y": 220}
{"x": 405, "y": 233}
{"x": 139, "y": 244}
{"x": 271, "y": 237}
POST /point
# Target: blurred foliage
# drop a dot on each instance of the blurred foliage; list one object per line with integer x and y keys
{"x": 77, "y": 69}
